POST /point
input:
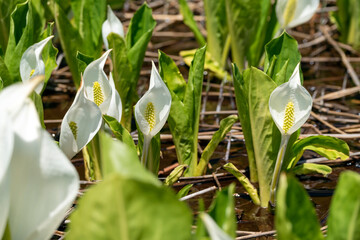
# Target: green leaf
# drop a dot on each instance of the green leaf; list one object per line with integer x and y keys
{"x": 278, "y": 52}
{"x": 210, "y": 64}
{"x": 222, "y": 210}
{"x": 89, "y": 16}
{"x": 348, "y": 22}
{"x": 184, "y": 191}
{"x": 253, "y": 193}
{"x": 115, "y": 4}
{"x": 119, "y": 131}
{"x": 25, "y": 29}
{"x": 82, "y": 33}
{"x": 175, "y": 175}
{"x": 169, "y": 70}
{"x": 36, "y": 98}
{"x": 344, "y": 216}
{"x": 49, "y": 53}
{"x": 117, "y": 157}
{"x": 310, "y": 168}
{"x": 119, "y": 208}
{"x": 329, "y": 147}
{"x": 123, "y": 75}
{"x": 190, "y": 22}
{"x": 216, "y": 27}
{"x": 184, "y": 114}
{"x": 225, "y": 126}
{"x": 4, "y": 73}
{"x": 244, "y": 18}
{"x": 262, "y": 138}
{"x": 295, "y": 216}
{"x": 6, "y": 8}
{"x": 83, "y": 60}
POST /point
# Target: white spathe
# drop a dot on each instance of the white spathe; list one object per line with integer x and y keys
{"x": 159, "y": 95}
{"x": 87, "y": 118}
{"x": 94, "y": 72}
{"x": 32, "y": 64}
{"x": 291, "y": 13}
{"x": 298, "y": 95}
{"x": 115, "y": 107}
{"x": 111, "y": 25}
{"x": 41, "y": 183}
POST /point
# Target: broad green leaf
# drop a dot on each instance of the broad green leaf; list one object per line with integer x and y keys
{"x": 280, "y": 51}
{"x": 184, "y": 114}
{"x": 36, "y": 98}
{"x": 348, "y": 21}
{"x": 83, "y": 60}
{"x": 184, "y": 191}
{"x": 244, "y": 18}
{"x": 119, "y": 131}
{"x": 169, "y": 70}
{"x": 49, "y": 53}
{"x": 253, "y": 193}
{"x": 329, "y": 147}
{"x": 242, "y": 103}
{"x": 310, "y": 168}
{"x": 344, "y": 216}
{"x": 118, "y": 158}
{"x": 222, "y": 210}
{"x": 4, "y": 73}
{"x": 125, "y": 82}
{"x": 266, "y": 29}
{"x": 210, "y": 64}
{"x": 25, "y": 29}
{"x": 216, "y": 27}
{"x": 192, "y": 102}
{"x": 225, "y": 126}
{"x": 265, "y": 135}
{"x": 82, "y": 33}
{"x": 175, "y": 175}
{"x": 295, "y": 216}
{"x": 190, "y": 22}
{"x": 130, "y": 209}
{"x": 6, "y": 8}
{"x": 89, "y": 16}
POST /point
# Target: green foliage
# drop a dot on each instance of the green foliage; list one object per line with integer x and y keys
{"x": 127, "y": 57}
{"x": 248, "y": 22}
{"x": 49, "y": 53}
{"x": 190, "y": 22}
{"x": 329, "y": 147}
{"x": 184, "y": 191}
{"x": 119, "y": 131}
{"x": 118, "y": 207}
{"x": 347, "y": 19}
{"x": 295, "y": 216}
{"x": 175, "y": 175}
{"x": 82, "y": 33}
{"x": 222, "y": 211}
{"x": 294, "y": 222}
{"x": 83, "y": 60}
{"x": 310, "y": 168}
{"x": 185, "y": 111}
{"x": 344, "y": 216}
{"x": 253, "y": 193}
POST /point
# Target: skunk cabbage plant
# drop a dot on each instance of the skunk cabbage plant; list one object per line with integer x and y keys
{"x": 34, "y": 172}
{"x": 291, "y": 13}
{"x": 111, "y": 25}
{"x": 290, "y": 106}
{"x": 152, "y": 110}
{"x": 32, "y": 64}
{"x": 80, "y": 124}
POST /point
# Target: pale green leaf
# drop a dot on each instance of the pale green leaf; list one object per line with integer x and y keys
{"x": 311, "y": 168}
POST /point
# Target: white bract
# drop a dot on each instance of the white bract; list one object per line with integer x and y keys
{"x": 291, "y": 13}
{"x": 80, "y": 124}
{"x": 37, "y": 182}
{"x": 290, "y": 106}
{"x": 152, "y": 110}
{"x": 97, "y": 96}
{"x": 111, "y": 25}
{"x": 31, "y": 63}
